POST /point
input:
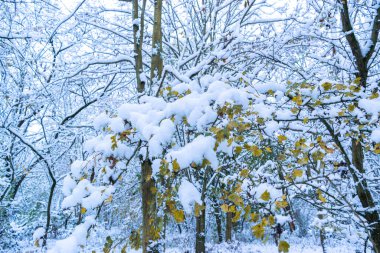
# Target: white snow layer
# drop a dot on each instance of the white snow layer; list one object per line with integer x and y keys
{"x": 188, "y": 194}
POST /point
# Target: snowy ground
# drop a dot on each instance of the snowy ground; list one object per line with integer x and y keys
{"x": 263, "y": 248}
{"x": 245, "y": 248}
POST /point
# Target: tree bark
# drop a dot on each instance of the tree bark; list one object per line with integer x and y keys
{"x": 200, "y": 237}
{"x": 365, "y": 196}
{"x": 218, "y": 220}
{"x": 157, "y": 62}
{"x": 229, "y": 226}
{"x": 362, "y": 190}
{"x": 150, "y": 231}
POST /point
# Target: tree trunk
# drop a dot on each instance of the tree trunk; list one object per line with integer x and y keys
{"x": 218, "y": 220}
{"x": 365, "y": 196}
{"x": 150, "y": 232}
{"x": 157, "y": 62}
{"x": 229, "y": 226}
{"x": 138, "y": 37}
{"x": 200, "y": 237}
{"x": 287, "y": 209}
{"x": 150, "y": 228}
{"x": 322, "y": 238}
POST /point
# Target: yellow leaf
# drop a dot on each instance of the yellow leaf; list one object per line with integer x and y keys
{"x": 232, "y": 209}
{"x": 281, "y": 204}
{"x": 113, "y": 142}
{"x": 294, "y": 110}
{"x": 271, "y": 220}
{"x": 351, "y": 108}
{"x": 244, "y": 173}
{"x": 205, "y": 162}
{"x": 256, "y": 151}
{"x": 320, "y": 196}
{"x": 260, "y": 121}
{"x": 265, "y": 196}
{"x": 108, "y": 200}
{"x": 340, "y": 86}
{"x": 254, "y": 217}
{"x": 281, "y": 138}
{"x": 176, "y": 166}
{"x": 258, "y": 230}
{"x": 247, "y": 212}
{"x": 83, "y": 210}
{"x": 297, "y": 99}
{"x": 268, "y": 149}
{"x": 327, "y": 86}
{"x": 318, "y": 155}
{"x": 297, "y": 173}
{"x": 374, "y": 95}
{"x": 236, "y": 216}
{"x": 179, "y": 215}
{"x": 238, "y": 150}
{"x": 357, "y": 80}
{"x": 303, "y": 161}
{"x": 236, "y": 199}
{"x": 198, "y": 209}
{"x": 376, "y": 150}
{"x": 283, "y": 246}
{"x": 224, "y": 208}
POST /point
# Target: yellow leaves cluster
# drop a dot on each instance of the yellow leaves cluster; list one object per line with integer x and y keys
{"x": 236, "y": 199}
{"x": 178, "y": 215}
{"x": 244, "y": 173}
{"x": 297, "y": 99}
{"x": 281, "y": 203}
{"x": 258, "y": 230}
{"x": 327, "y": 86}
{"x": 297, "y": 173}
{"x": 255, "y": 150}
{"x": 265, "y": 196}
{"x": 283, "y": 246}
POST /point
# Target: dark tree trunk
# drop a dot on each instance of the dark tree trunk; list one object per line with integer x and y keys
{"x": 149, "y": 226}
{"x": 218, "y": 220}
{"x": 365, "y": 196}
{"x": 200, "y": 237}
{"x": 229, "y": 226}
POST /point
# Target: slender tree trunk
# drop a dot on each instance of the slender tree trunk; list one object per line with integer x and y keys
{"x": 150, "y": 228}
{"x": 365, "y": 196}
{"x": 138, "y": 37}
{"x": 322, "y": 238}
{"x": 362, "y": 60}
{"x": 200, "y": 237}
{"x": 50, "y": 201}
{"x": 157, "y": 62}
{"x": 150, "y": 231}
{"x": 218, "y": 220}
{"x": 229, "y": 226}
{"x": 287, "y": 209}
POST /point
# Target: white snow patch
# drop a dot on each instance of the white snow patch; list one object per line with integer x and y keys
{"x": 188, "y": 194}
